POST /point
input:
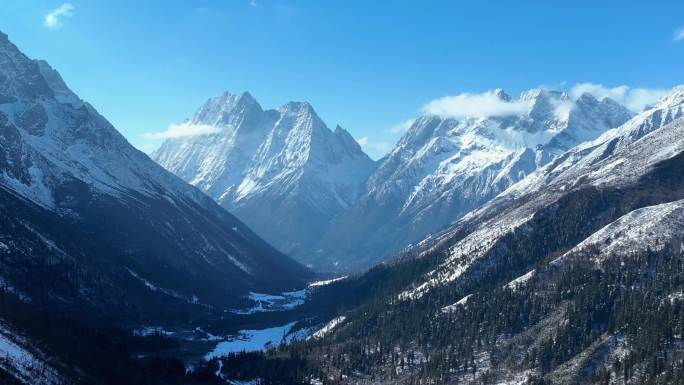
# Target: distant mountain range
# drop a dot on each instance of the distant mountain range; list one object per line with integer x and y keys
{"x": 315, "y": 195}
{"x": 442, "y": 168}
{"x": 620, "y": 173}
{"x": 540, "y": 247}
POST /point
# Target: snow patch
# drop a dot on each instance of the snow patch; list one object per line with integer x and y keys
{"x": 274, "y": 302}
{"x": 322, "y": 332}
{"x": 647, "y": 228}
{"x": 520, "y": 281}
{"x": 327, "y": 282}
{"x": 147, "y": 331}
{"x": 454, "y": 306}
{"x": 251, "y": 340}
{"x": 25, "y": 366}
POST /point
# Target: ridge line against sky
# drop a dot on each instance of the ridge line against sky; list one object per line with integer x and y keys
{"x": 371, "y": 68}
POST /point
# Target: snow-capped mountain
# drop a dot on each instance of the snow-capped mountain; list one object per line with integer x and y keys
{"x": 110, "y": 226}
{"x": 444, "y": 167}
{"x": 612, "y": 178}
{"x": 282, "y": 171}
{"x": 562, "y": 278}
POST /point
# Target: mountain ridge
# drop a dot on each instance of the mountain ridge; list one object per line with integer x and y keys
{"x": 441, "y": 168}
{"x": 282, "y": 171}
{"x": 571, "y": 275}
{"x": 444, "y": 167}
{"x": 64, "y": 166}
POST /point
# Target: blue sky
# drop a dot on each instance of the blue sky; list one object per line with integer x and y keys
{"x": 367, "y": 65}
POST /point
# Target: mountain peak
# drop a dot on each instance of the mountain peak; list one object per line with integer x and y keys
{"x": 299, "y": 107}
{"x": 347, "y": 139}
{"x": 302, "y": 111}
{"x": 283, "y": 171}
{"x": 218, "y": 110}
{"x": 544, "y": 104}
{"x": 588, "y": 98}
{"x": 341, "y": 132}
{"x": 674, "y": 98}
{"x": 610, "y": 101}
{"x": 243, "y": 97}
{"x": 246, "y": 97}
{"x": 501, "y": 94}
{"x": 536, "y": 94}
{"x": 55, "y": 82}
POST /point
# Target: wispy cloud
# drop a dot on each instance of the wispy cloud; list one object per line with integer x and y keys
{"x": 253, "y": 3}
{"x": 484, "y": 105}
{"x": 53, "y": 20}
{"x": 182, "y": 130}
{"x": 634, "y": 98}
{"x": 375, "y": 150}
{"x": 401, "y": 127}
{"x": 678, "y": 34}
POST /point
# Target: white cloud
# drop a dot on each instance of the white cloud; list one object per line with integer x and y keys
{"x": 678, "y": 34}
{"x": 401, "y": 127}
{"x": 562, "y": 108}
{"x": 482, "y": 105}
{"x": 375, "y": 150}
{"x": 182, "y": 130}
{"x": 253, "y": 3}
{"x": 53, "y": 20}
{"x": 633, "y": 98}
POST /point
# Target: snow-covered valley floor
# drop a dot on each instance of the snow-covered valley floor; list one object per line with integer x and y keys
{"x": 265, "y": 322}
{"x": 251, "y": 340}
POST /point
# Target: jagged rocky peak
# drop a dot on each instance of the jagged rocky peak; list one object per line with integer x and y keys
{"x": 55, "y": 82}
{"x": 501, "y": 94}
{"x": 588, "y": 99}
{"x": 545, "y": 107}
{"x": 344, "y": 134}
{"x": 424, "y": 128}
{"x": 675, "y": 98}
{"x": 543, "y": 94}
{"x": 223, "y": 110}
{"x": 444, "y": 167}
{"x": 348, "y": 140}
{"x": 300, "y": 113}
{"x": 282, "y": 170}
{"x": 610, "y": 112}
{"x": 297, "y": 107}
{"x": 20, "y": 77}
{"x": 303, "y": 119}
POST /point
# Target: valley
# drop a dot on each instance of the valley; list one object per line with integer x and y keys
{"x": 530, "y": 238}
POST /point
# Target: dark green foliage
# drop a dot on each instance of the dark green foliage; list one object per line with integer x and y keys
{"x": 97, "y": 351}
{"x": 625, "y": 301}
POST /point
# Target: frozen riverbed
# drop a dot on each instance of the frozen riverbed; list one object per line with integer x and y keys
{"x": 252, "y": 340}
{"x": 273, "y": 302}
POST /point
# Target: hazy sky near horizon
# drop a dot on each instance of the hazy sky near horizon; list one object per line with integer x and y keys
{"x": 368, "y": 66}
